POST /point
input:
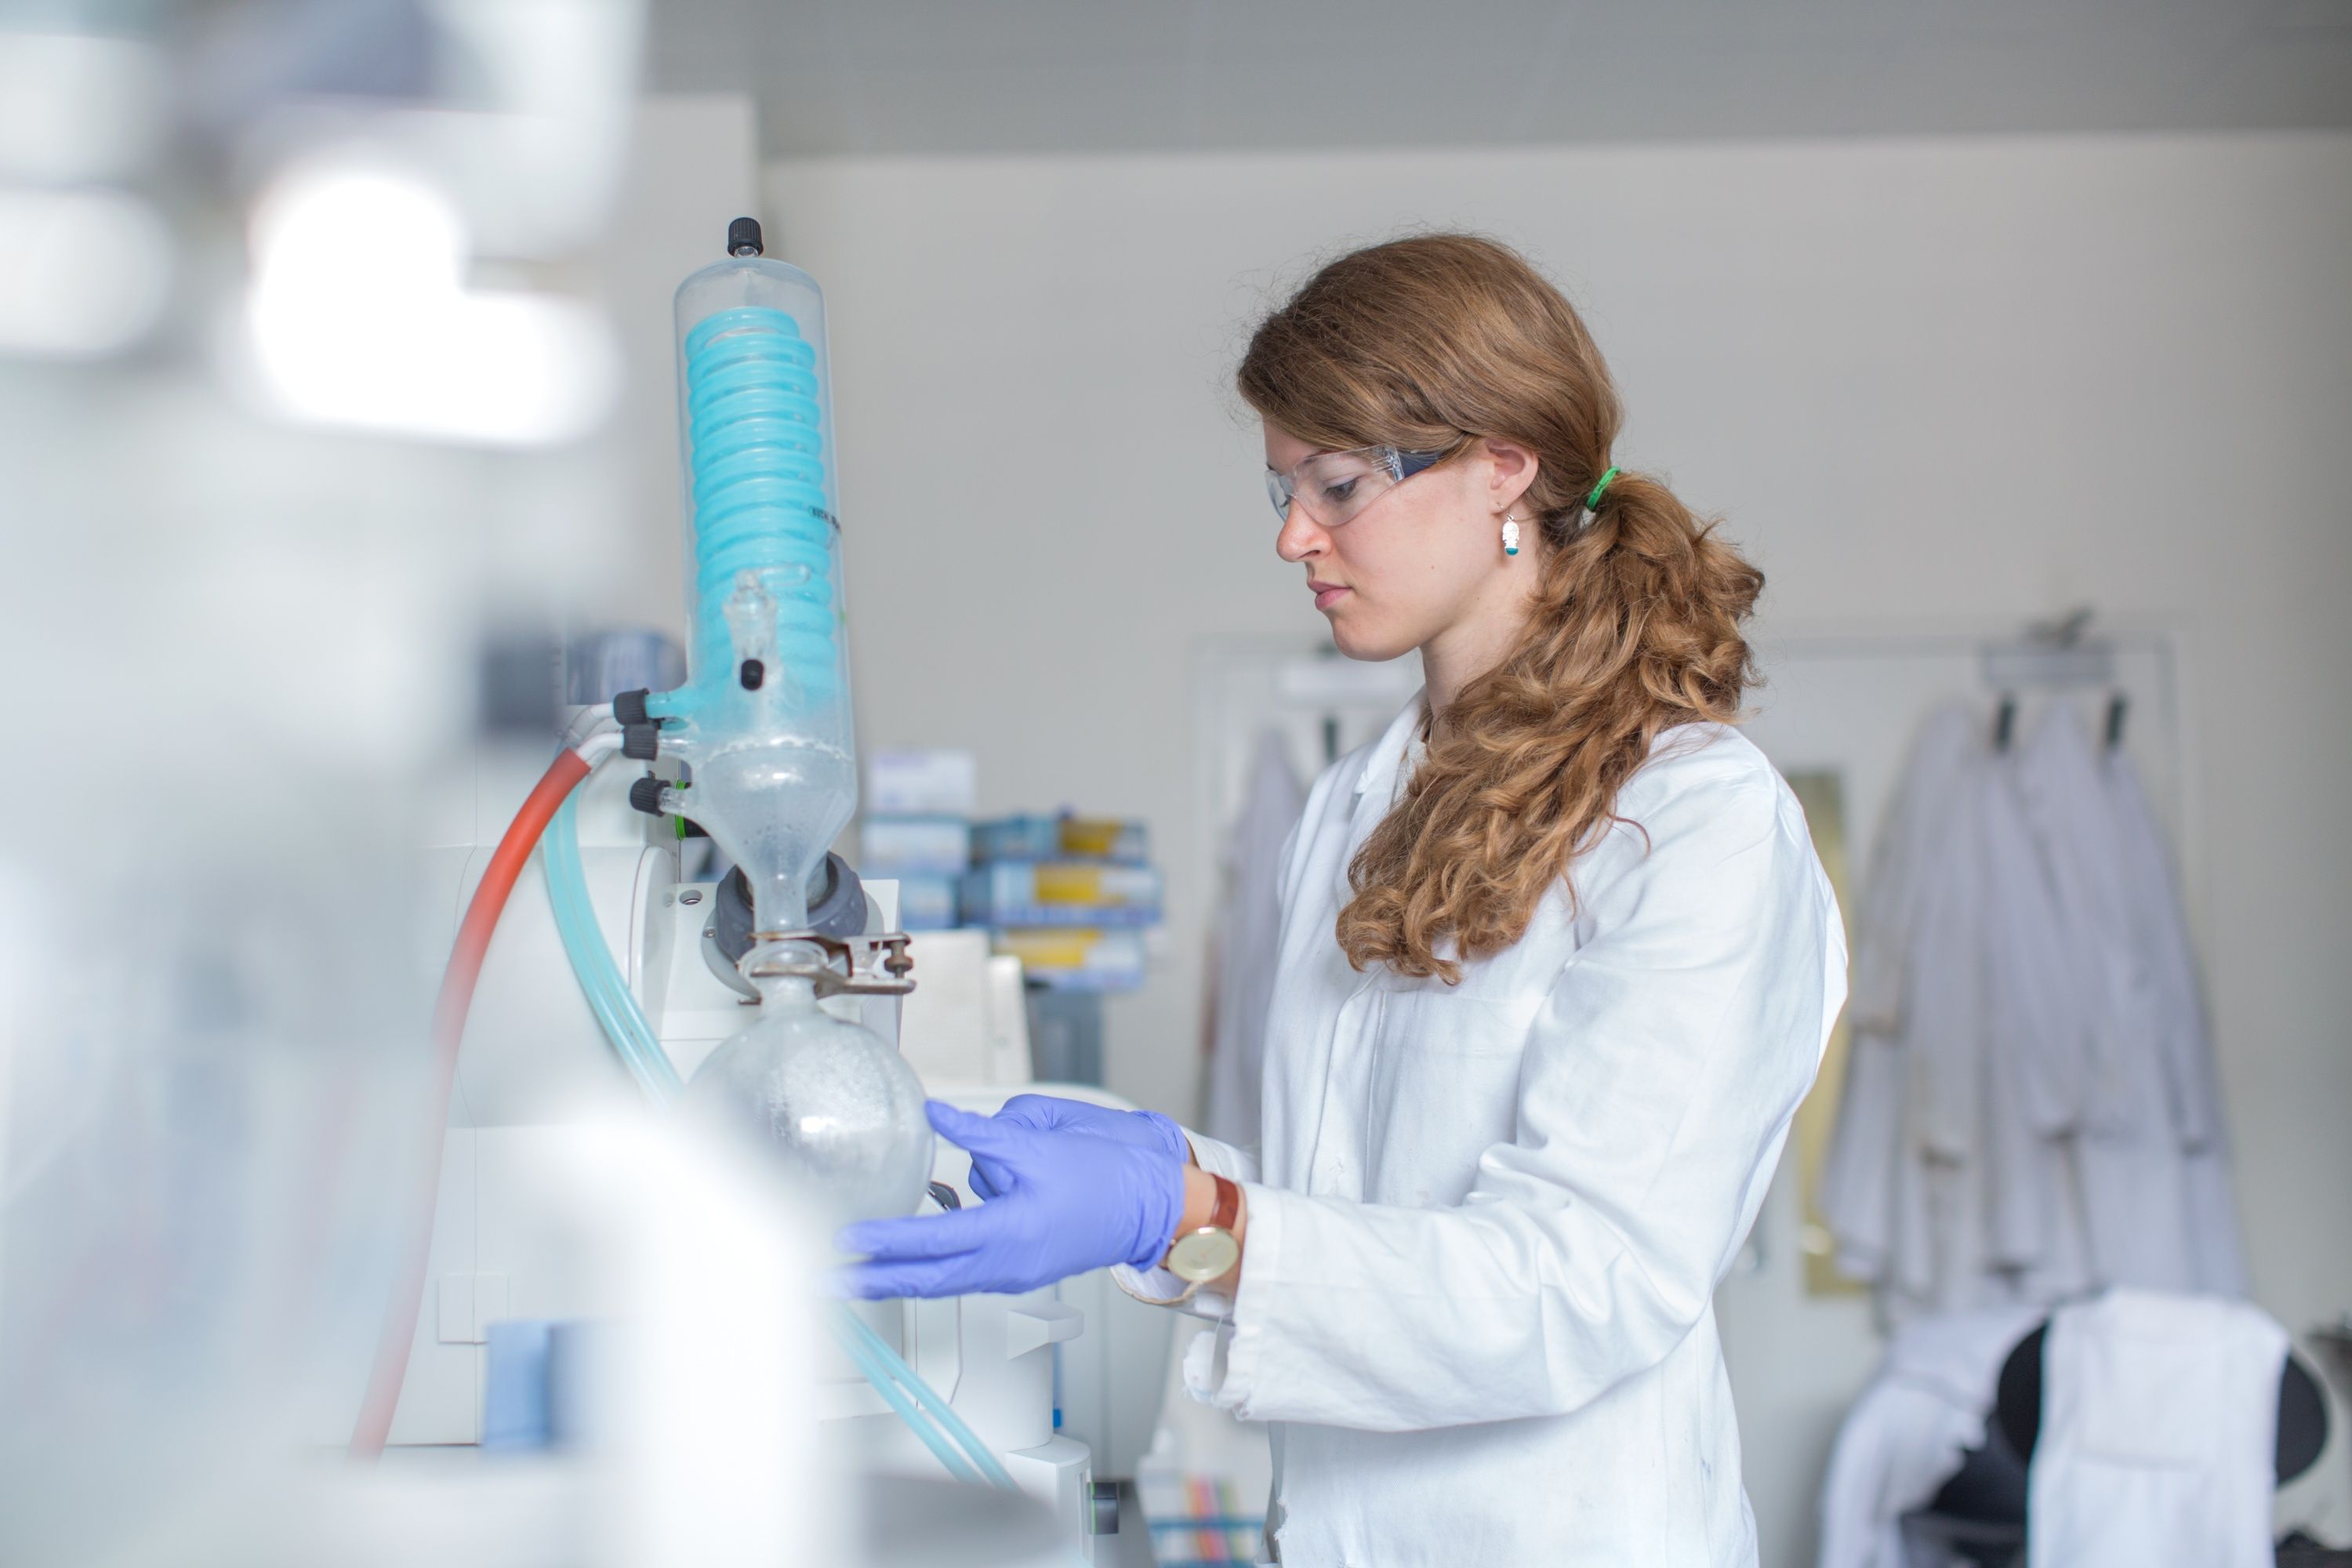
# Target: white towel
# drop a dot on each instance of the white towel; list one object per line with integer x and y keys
{"x": 2159, "y": 1431}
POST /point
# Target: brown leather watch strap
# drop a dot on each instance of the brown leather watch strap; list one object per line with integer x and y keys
{"x": 1228, "y": 1207}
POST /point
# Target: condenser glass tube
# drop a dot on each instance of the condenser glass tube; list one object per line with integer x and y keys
{"x": 763, "y": 719}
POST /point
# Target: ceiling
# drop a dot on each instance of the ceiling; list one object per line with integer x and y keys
{"x": 852, "y": 77}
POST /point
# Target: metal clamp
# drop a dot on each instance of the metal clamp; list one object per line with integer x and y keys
{"x": 846, "y": 981}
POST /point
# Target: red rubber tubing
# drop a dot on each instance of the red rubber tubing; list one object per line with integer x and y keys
{"x": 400, "y": 1311}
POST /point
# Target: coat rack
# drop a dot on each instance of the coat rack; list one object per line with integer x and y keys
{"x": 2053, "y": 655}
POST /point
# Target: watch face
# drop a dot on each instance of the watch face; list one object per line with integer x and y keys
{"x": 1203, "y": 1254}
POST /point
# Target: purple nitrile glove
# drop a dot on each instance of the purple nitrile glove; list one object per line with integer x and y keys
{"x": 1053, "y": 1113}
{"x": 1067, "y": 1201}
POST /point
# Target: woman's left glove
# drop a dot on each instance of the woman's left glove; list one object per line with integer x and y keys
{"x": 1067, "y": 1201}
{"x": 1053, "y": 1113}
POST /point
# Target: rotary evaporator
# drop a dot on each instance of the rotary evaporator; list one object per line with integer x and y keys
{"x": 762, "y": 727}
{"x": 764, "y": 1008}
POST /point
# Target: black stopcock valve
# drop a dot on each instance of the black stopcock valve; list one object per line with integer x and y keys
{"x": 645, "y": 795}
{"x": 641, "y": 743}
{"x": 753, "y": 674}
{"x": 629, "y": 707}
{"x": 744, "y": 237}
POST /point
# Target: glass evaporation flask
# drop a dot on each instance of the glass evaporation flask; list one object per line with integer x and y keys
{"x": 839, "y": 1110}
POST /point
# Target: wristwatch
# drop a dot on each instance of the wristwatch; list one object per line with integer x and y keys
{"x": 1210, "y": 1252}
{"x": 1199, "y": 1256}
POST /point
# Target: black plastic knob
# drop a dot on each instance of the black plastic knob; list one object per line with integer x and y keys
{"x": 744, "y": 237}
{"x": 645, "y": 795}
{"x": 641, "y": 743}
{"x": 629, "y": 707}
{"x": 753, "y": 674}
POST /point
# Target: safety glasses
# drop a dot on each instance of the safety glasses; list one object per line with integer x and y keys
{"x": 1334, "y": 487}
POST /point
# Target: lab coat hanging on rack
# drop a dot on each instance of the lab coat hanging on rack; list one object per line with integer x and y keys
{"x": 2029, "y": 1107}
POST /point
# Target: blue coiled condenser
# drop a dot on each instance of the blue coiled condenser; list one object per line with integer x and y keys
{"x": 756, "y": 456}
{"x": 761, "y": 727}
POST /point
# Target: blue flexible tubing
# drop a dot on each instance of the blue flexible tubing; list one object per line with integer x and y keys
{"x": 632, "y": 1038}
{"x": 940, "y": 1410}
{"x": 756, "y": 458}
{"x": 896, "y": 1395}
{"x": 609, "y": 998}
{"x": 875, "y": 1356}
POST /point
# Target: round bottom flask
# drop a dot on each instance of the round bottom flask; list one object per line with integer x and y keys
{"x": 841, "y": 1111}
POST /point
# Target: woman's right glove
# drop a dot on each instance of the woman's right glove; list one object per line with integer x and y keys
{"x": 1063, "y": 1200}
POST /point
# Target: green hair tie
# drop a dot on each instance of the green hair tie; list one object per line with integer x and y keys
{"x": 1593, "y": 500}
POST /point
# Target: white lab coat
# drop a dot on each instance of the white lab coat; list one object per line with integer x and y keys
{"x": 2159, "y": 1427}
{"x": 1488, "y": 1222}
{"x": 2031, "y": 1109}
{"x": 1910, "y": 1430}
{"x": 2036, "y": 1000}
{"x": 2186, "y": 1041}
{"x": 1938, "y": 1187}
{"x": 1868, "y": 1194}
{"x": 2147, "y": 1100}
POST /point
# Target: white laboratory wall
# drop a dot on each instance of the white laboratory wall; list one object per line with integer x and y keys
{"x": 693, "y": 168}
{"x": 1958, "y": 383}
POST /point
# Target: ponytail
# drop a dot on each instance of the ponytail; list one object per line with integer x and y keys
{"x": 1637, "y": 630}
{"x": 1640, "y": 607}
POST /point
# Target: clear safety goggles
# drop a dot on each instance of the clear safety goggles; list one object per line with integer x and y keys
{"x": 1334, "y": 487}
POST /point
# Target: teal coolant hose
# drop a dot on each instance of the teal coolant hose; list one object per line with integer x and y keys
{"x": 757, "y": 465}
{"x": 895, "y": 1394}
{"x": 878, "y": 1349}
{"x": 609, "y": 996}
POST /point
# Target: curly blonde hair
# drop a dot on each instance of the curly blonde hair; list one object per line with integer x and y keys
{"x": 1426, "y": 343}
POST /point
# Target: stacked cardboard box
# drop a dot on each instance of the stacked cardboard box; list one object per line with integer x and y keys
{"x": 916, "y": 829}
{"x": 1069, "y": 895}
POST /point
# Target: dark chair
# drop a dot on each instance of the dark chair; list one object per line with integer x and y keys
{"x": 1978, "y": 1517}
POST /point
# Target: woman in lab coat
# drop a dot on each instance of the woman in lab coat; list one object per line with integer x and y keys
{"x": 1557, "y": 964}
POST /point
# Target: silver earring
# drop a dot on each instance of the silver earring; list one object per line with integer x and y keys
{"x": 1511, "y": 534}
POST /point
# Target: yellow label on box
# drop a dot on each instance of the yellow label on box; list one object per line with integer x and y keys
{"x": 1069, "y": 885}
{"x": 1044, "y": 948}
{"x": 1083, "y": 835}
